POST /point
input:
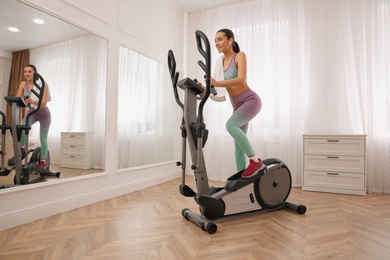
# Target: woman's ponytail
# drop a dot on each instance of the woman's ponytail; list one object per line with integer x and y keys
{"x": 236, "y": 47}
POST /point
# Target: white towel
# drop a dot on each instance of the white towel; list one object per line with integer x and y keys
{"x": 219, "y": 75}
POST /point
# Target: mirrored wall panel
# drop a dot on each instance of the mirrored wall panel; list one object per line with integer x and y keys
{"x": 73, "y": 63}
{"x": 149, "y": 118}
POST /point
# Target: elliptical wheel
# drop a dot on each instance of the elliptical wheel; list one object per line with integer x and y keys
{"x": 273, "y": 188}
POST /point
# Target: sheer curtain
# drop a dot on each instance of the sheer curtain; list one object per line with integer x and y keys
{"x": 148, "y": 116}
{"x": 75, "y": 71}
{"x": 379, "y": 125}
{"x": 267, "y": 31}
{"x": 347, "y": 77}
{"x": 320, "y": 67}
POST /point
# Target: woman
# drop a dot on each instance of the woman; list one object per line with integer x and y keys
{"x": 246, "y": 103}
{"x": 43, "y": 115}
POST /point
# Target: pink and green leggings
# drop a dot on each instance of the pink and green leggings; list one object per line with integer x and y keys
{"x": 245, "y": 107}
{"x": 43, "y": 116}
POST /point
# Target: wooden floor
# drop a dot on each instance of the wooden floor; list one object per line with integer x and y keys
{"x": 147, "y": 224}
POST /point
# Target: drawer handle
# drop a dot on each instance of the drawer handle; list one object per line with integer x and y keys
{"x": 72, "y": 146}
{"x": 333, "y": 157}
{"x": 72, "y": 136}
{"x": 332, "y": 141}
{"x": 72, "y": 156}
{"x": 332, "y": 173}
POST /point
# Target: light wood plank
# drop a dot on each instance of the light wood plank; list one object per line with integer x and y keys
{"x": 147, "y": 224}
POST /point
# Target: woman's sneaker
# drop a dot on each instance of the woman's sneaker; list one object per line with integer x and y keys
{"x": 42, "y": 165}
{"x": 253, "y": 168}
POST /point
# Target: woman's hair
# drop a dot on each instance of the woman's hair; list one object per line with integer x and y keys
{"x": 230, "y": 35}
{"x": 31, "y": 66}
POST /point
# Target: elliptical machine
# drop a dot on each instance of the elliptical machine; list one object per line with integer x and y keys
{"x": 29, "y": 171}
{"x": 267, "y": 190}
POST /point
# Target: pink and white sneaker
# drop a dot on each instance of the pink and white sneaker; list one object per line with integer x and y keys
{"x": 42, "y": 165}
{"x": 253, "y": 168}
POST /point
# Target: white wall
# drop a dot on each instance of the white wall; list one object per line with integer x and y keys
{"x": 193, "y": 25}
{"x": 149, "y": 27}
{"x": 5, "y": 67}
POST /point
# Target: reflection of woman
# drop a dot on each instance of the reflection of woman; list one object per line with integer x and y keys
{"x": 246, "y": 103}
{"x": 43, "y": 115}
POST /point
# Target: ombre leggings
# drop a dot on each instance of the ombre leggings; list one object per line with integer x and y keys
{"x": 245, "y": 107}
{"x": 43, "y": 116}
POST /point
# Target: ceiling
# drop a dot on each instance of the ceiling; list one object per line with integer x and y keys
{"x": 31, "y": 35}
{"x": 191, "y": 6}
{"x": 16, "y": 14}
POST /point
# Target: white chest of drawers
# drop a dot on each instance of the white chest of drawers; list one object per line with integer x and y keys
{"x": 334, "y": 163}
{"x": 76, "y": 150}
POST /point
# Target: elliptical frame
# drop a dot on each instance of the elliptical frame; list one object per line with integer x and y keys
{"x": 270, "y": 190}
{"x": 28, "y": 171}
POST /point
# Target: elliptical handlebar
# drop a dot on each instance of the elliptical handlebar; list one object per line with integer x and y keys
{"x": 3, "y": 126}
{"x": 200, "y": 36}
{"x": 38, "y": 95}
{"x": 174, "y": 76}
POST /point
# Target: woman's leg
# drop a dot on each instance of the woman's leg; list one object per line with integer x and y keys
{"x": 243, "y": 148}
{"x": 45, "y": 121}
{"x": 237, "y": 126}
{"x": 240, "y": 155}
{"x": 31, "y": 121}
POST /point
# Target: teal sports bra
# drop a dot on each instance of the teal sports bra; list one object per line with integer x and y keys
{"x": 232, "y": 70}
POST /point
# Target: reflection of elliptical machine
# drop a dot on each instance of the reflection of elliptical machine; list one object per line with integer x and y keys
{"x": 266, "y": 191}
{"x": 29, "y": 171}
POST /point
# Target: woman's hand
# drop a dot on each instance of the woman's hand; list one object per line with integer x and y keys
{"x": 28, "y": 100}
{"x": 212, "y": 81}
{"x": 200, "y": 84}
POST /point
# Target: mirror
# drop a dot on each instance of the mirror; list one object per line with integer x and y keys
{"x": 73, "y": 63}
{"x": 148, "y": 115}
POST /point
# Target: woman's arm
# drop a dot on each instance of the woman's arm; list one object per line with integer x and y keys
{"x": 35, "y": 101}
{"x": 20, "y": 89}
{"x": 44, "y": 97}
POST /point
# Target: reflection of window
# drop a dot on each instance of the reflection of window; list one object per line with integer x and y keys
{"x": 75, "y": 71}
{"x": 140, "y": 85}
{"x": 146, "y": 112}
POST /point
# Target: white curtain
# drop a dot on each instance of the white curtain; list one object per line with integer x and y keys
{"x": 320, "y": 67}
{"x": 75, "y": 71}
{"x": 347, "y": 77}
{"x": 267, "y": 31}
{"x": 148, "y": 116}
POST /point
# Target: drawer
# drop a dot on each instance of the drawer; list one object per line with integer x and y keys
{"x": 73, "y": 150}
{"x": 73, "y": 161}
{"x": 73, "y": 139}
{"x": 332, "y": 180}
{"x": 334, "y": 146}
{"x": 334, "y": 163}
